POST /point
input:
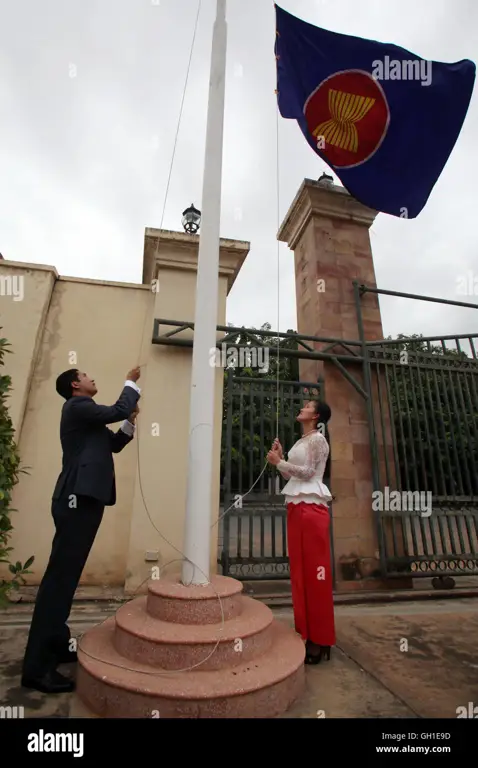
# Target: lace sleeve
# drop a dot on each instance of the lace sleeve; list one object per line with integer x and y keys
{"x": 284, "y": 474}
{"x": 317, "y": 450}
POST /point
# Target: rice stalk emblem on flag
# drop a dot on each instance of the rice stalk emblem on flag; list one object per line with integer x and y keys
{"x": 350, "y": 113}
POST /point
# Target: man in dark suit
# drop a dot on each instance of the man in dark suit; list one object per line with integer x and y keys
{"x": 85, "y": 486}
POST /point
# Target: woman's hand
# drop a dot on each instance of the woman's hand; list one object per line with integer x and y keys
{"x": 273, "y": 458}
{"x": 277, "y": 447}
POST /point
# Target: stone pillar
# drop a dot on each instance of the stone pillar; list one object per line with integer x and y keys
{"x": 328, "y": 230}
{"x": 159, "y": 506}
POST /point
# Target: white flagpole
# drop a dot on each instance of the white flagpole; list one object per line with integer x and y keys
{"x": 198, "y": 511}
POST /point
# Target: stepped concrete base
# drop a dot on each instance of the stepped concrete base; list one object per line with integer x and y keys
{"x": 190, "y": 652}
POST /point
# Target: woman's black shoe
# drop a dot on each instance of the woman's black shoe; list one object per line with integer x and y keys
{"x": 325, "y": 652}
{"x": 316, "y": 658}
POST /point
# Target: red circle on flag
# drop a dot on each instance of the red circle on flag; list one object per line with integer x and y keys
{"x": 348, "y": 117}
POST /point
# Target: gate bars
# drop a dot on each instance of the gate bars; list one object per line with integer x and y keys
{"x": 422, "y": 410}
{"x": 254, "y": 531}
{"x": 422, "y": 407}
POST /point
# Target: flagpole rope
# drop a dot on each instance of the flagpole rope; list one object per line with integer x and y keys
{"x": 242, "y": 496}
{"x": 178, "y": 126}
{"x": 148, "y": 309}
{"x": 183, "y": 556}
{"x": 278, "y": 263}
{"x": 156, "y": 253}
{"x": 220, "y": 517}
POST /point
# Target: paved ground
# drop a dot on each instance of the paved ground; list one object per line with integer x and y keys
{"x": 400, "y": 660}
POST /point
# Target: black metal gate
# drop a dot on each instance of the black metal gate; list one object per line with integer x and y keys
{"x": 253, "y": 526}
{"x": 423, "y": 419}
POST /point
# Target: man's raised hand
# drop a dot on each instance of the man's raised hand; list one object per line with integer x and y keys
{"x": 132, "y": 417}
{"x": 134, "y": 374}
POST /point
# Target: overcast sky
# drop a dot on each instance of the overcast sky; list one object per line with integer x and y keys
{"x": 90, "y": 95}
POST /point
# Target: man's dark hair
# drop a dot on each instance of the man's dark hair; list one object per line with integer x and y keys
{"x": 64, "y": 381}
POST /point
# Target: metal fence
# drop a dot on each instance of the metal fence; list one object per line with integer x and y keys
{"x": 423, "y": 420}
{"x": 253, "y": 532}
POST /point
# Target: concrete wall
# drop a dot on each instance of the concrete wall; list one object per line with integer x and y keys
{"x": 105, "y": 328}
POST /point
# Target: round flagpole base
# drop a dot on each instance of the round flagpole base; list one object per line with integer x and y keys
{"x": 190, "y": 652}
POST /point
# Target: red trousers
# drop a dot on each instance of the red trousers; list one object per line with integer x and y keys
{"x": 311, "y": 572}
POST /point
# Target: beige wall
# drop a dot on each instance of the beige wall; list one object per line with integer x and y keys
{"x": 23, "y": 327}
{"x": 108, "y": 326}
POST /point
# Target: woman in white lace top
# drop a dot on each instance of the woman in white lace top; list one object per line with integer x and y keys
{"x": 308, "y": 526}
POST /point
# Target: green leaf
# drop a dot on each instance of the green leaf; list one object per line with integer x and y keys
{"x": 10, "y": 471}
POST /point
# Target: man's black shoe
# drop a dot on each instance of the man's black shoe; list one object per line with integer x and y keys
{"x": 51, "y": 682}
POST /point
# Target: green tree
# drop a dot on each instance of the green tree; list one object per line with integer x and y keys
{"x": 9, "y": 476}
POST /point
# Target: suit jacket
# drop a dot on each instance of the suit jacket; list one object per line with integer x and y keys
{"x": 88, "y": 446}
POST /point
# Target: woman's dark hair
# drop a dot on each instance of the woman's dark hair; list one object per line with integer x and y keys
{"x": 64, "y": 381}
{"x": 324, "y": 413}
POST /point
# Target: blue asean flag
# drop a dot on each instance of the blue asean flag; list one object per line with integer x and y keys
{"x": 382, "y": 118}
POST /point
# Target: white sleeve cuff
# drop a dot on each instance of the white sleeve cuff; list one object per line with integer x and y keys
{"x": 134, "y": 385}
{"x": 128, "y": 428}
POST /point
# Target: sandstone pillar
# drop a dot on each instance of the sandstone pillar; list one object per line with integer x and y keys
{"x": 328, "y": 231}
{"x": 170, "y": 258}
